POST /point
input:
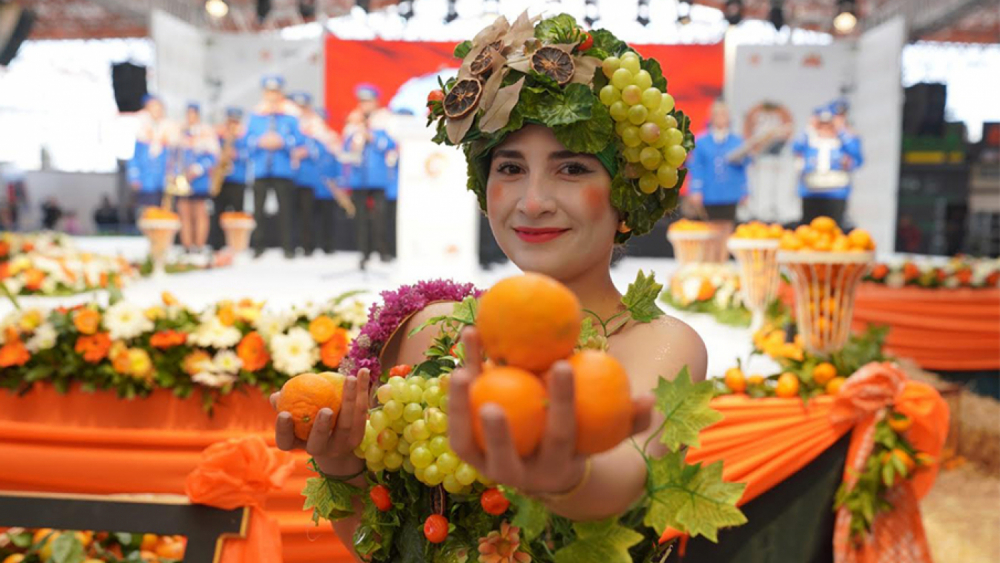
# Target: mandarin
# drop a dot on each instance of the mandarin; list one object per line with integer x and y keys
{"x": 304, "y": 395}
{"x": 788, "y": 385}
{"x": 823, "y": 224}
{"x": 823, "y": 373}
{"x": 604, "y": 413}
{"x": 14, "y": 558}
{"x": 520, "y": 395}
{"x": 529, "y": 321}
{"x": 735, "y": 380}
{"x": 834, "y": 385}
{"x": 861, "y": 239}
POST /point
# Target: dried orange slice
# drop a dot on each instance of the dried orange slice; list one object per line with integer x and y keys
{"x": 483, "y": 65}
{"x": 554, "y": 63}
{"x": 463, "y": 98}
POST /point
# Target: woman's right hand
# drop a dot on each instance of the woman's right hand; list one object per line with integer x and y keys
{"x": 331, "y": 445}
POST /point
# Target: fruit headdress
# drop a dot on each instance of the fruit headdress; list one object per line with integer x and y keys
{"x": 596, "y": 94}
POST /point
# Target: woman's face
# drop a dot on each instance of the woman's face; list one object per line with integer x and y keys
{"x": 549, "y": 208}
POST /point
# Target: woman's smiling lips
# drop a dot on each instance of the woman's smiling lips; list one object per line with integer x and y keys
{"x": 536, "y": 235}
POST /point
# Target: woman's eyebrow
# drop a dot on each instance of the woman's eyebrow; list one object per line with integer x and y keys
{"x": 564, "y": 154}
{"x": 508, "y": 153}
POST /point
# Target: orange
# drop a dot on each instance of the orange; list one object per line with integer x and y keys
{"x": 735, "y": 380}
{"x": 899, "y": 423}
{"x": 822, "y": 244}
{"x": 304, "y": 395}
{"x": 861, "y": 239}
{"x": 149, "y": 557}
{"x": 170, "y": 548}
{"x": 841, "y": 244}
{"x": 823, "y": 373}
{"x": 823, "y": 224}
{"x": 905, "y": 458}
{"x": 790, "y": 242}
{"x": 604, "y": 412}
{"x": 149, "y": 542}
{"x": 834, "y": 385}
{"x": 529, "y": 321}
{"x": 85, "y": 538}
{"x": 706, "y": 291}
{"x": 775, "y": 231}
{"x": 788, "y": 385}
{"x": 755, "y": 379}
{"x": 14, "y": 558}
{"x": 523, "y": 399}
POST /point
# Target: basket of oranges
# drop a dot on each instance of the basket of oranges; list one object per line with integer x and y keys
{"x": 755, "y": 246}
{"x": 697, "y": 242}
{"x": 826, "y": 266}
{"x": 160, "y": 226}
{"x": 237, "y": 226}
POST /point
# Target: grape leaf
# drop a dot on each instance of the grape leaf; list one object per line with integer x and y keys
{"x": 529, "y": 515}
{"x": 599, "y": 542}
{"x": 685, "y": 406}
{"x": 589, "y": 136}
{"x": 67, "y": 549}
{"x": 465, "y": 312}
{"x": 640, "y": 299}
{"x": 329, "y": 499}
{"x": 588, "y": 332}
{"x": 691, "y": 498}
{"x": 555, "y": 29}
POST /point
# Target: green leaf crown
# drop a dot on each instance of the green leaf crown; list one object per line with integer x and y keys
{"x": 503, "y": 62}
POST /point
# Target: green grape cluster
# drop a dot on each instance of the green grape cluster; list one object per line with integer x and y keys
{"x": 409, "y": 430}
{"x": 643, "y": 121}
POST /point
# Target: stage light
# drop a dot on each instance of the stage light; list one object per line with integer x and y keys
{"x": 452, "y": 14}
{"x": 683, "y": 13}
{"x": 591, "y": 13}
{"x": 217, "y": 8}
{"x": 847, "y": 16}
{"x": 642, "y": 13}
{"x": 733, "y": 11}
{"x": 406, "y": 9}
{"x": 777, "y": 14}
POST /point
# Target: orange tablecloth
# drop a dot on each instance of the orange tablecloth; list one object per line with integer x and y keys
{"x": 99, "y": 444}
{"x": 942, "y": 329}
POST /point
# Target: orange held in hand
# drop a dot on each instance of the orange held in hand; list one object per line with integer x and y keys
{"x": 304, "y": 395}
{"x": 520, "y": 395}
{"x": 529, "y": 321}
{"x": 604, "y": 412}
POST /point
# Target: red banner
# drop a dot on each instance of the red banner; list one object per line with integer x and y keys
{"x": 695, "y": 73}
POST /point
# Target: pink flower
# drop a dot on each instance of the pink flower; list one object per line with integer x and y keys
{"x": 501, "y": 547}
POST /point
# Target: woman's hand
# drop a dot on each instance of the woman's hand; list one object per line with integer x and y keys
{"x": 555, "y": 467}
{"x": 332, "y": 450}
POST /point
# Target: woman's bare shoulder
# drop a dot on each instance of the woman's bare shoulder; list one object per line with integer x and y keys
{"x": 666, "y": 345}
{"x": 405, "y": 349}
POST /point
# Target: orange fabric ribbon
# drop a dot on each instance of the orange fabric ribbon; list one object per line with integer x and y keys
{"x": 241, "y": 472}
{"x": 898, "y": 535}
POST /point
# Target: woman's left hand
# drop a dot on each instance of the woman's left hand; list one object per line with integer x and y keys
{"x": 555, "y": 467}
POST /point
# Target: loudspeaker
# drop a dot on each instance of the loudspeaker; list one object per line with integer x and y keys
{"x": 15, "y": 25}
{"x": 129, "y": 81}
{"x": 923, "y": 109}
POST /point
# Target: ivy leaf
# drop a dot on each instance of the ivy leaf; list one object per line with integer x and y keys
{"x": 599, "y": 542}
{"x": 67, "y": 549}
{"x": 530, "y": 515}
{"x": 691, "y": 498}
{"x": 555, "y": 29}
{"x": 685, "y": 405}
{"x": 328, "y": 498}
{"x": 640, "y": 299}
{"x": 465, "y": 312}
{"x": 575, "y": 104}
{"x": 587, "y": 136}
{"x": 607, "y": 42}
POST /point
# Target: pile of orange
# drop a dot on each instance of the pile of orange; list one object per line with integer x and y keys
{"x": 159, "y": 214}
{"x": 756, "y": 230}
{"x": 687, "y": 225}
{"x": 823, "y": 235}
{"x": 527, "y": 323}
{"x": 304, "y": 395}
{"x": 235, "y": 216}
{"x": 787, "y": 385}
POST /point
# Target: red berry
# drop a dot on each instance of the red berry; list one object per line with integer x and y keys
{"x": 401, "y": 370}
{"x": 587, "y": 43}
{"x": 436, "y": 528}
{"x": 494, "y": 502}
{"x": 435, "y": 96}
{"x": 380, "y": 496}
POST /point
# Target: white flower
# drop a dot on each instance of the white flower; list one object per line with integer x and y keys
{"x": 44, "y": 338}
{"x": 125, "y": 320}
{"x": 226, "y": 361}
{"x": 211, "y": 333}
{"x": 951, "y": 282}
{"x": 690, "y": 289}
{"x": 895, "y": 279}
{"x": 216, "y": 380}
{"x": 310, "y": 310}
{"x": 352, "y": 311}
{"x": 14, "y": 285}
{"x": 295, "y": 352}
{"x": 270, "y": 324}
{"x": 49, "y": 286}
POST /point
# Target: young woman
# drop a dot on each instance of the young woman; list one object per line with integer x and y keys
{"x": 549, "y": 204}
{"x": 198, "y": 153}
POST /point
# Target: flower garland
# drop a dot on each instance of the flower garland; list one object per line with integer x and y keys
{"x": 134, "y": 350}
{"x": 384, "y": 320}
{"x": 47, "y": 264}
{"x": 709, "y": 288}
{"x": 959, "y": 271}
{"x": 43, "y": 544}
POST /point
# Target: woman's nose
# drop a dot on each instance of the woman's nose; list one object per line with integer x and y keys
{"x": 536, "y": 200}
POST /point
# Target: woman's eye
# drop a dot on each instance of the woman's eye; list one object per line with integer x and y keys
{"x": 509, "y": 168}
{"x": 575, "y": 169}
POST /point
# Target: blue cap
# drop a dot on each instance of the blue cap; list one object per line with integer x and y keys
{"x": 194, "y": 106}
{"x": 301, "y": 98}
{"x": 233, "y": 112}
{"x": 272, "y": 82}
{"x": 366, "y": 92}
{"x": 823, "y": 113}
{"x": 840, "y": 106}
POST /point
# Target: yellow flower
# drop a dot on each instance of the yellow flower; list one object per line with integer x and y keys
{"x": 30, "y": 320}
{"x": 155, "y": 312}
{"x": 168, "y": 298}
{"x": 140, "y": 364}
{"x": 248, "y": 311}
{"x": 18, "y": 265}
